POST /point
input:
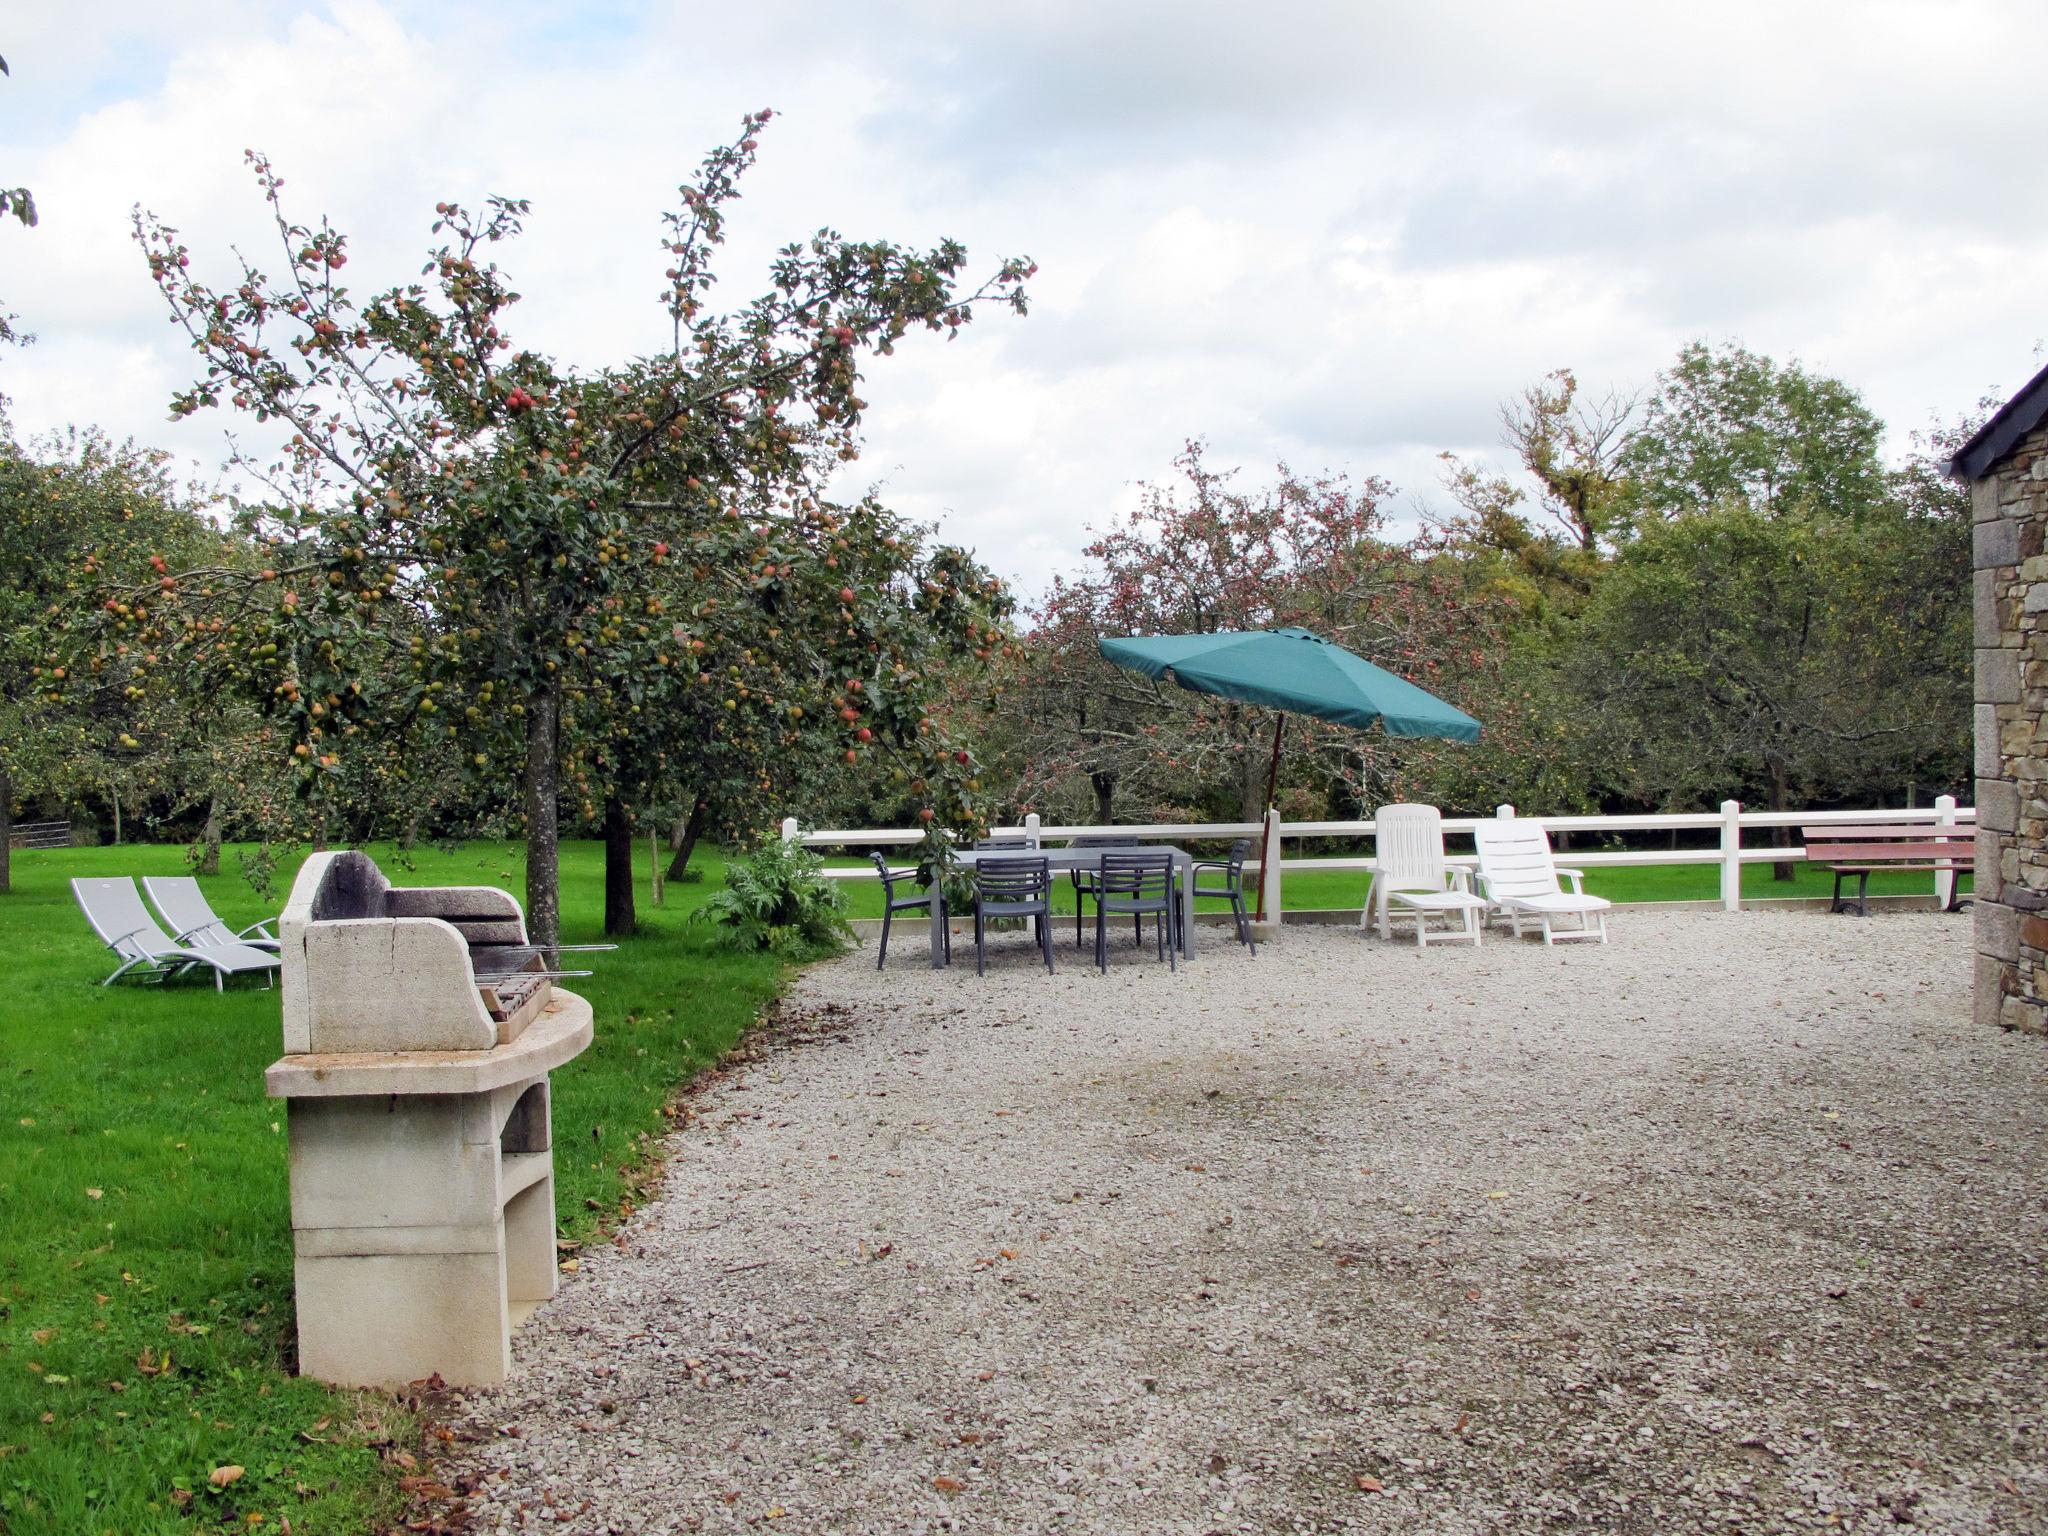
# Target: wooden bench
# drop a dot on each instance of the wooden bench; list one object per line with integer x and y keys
{"x": 1865, "y": 851}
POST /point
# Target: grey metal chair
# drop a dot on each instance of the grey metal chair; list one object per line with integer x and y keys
{"x": 1084, "y": 879}
{"x": 1232, "y": 888}
{"x": 1012, "y": 888}
{"x": 1141, "y": 884}
{"x": 988, "y": 844}
{"x": 892, "y": 904}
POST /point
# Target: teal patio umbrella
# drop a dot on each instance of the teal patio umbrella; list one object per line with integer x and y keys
{"x": 1293, "y": 671}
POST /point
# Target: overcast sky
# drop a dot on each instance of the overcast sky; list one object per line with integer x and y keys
{"x": 1336, "y": 235}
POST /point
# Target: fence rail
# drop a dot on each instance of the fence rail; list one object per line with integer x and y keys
{"x": 1730, "y": 853}
{"x": 39, "y": 834}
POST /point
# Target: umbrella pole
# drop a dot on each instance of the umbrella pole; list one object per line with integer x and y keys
{"x": 1270, "y": 850}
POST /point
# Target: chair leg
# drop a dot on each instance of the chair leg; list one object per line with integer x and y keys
{"x": 980, "y": 946}
{"x": 1045, "y": 936}
{"x": 1101, "y": 940}
{"x": 883, "y": 953}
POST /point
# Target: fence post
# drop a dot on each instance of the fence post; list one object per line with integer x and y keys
{"x": 1269, "y": 868}
{"x": 789, "y": 829}
{"x": 1731, "y": 855}
{"x": 1504, "y": 812}
{"x": 1944, "y": 879}
{"x": 1031, "y": 826}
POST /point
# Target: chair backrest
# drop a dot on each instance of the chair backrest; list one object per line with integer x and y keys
{"x": 1408, "y": 842}
{"x": 114, "y": 907}
{"x": 1012, "y": 879}
{"x": 1136, "y": 874}
{"x": 1002, "y": 842}
{"x": 185, "y": 907}
{"x": 1514, "y": 858}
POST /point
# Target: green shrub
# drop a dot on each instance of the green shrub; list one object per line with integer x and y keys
{"x": 777, "y": 899}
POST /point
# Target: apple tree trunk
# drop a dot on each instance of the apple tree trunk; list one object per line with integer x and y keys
{"x": 209, "y": 840}
{"x": 618, "y": 868}
{"x": 685, "y": 842}
{"x": 543, "y": 788}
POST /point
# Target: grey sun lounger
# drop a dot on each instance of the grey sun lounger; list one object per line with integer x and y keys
{"x": 192, "y": 918}
{"x": 114, "y": 908}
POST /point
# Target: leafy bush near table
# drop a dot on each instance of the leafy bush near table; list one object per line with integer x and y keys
{"x": 778, "y": 899}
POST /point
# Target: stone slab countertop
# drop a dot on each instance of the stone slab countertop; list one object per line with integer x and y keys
{"x": 559, "y": 1034}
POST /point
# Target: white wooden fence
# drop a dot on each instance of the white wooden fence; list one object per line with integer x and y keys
{"x": 1731, "y": 822}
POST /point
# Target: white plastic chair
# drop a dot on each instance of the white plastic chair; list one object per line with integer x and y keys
{"x": 1408, "y": 846}
{"x": 1520, "y": 879}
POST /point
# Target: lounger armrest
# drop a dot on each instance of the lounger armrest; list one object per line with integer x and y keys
{"x": 119, "y": 939}
{"x": 1577, "y": 878}
{"x": 186, "y": 936}
{"x": 1461, "y": 879}
{"x": 260, "y": 929}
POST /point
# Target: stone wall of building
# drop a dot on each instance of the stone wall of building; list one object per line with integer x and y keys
{"x": 2010, "y": 557}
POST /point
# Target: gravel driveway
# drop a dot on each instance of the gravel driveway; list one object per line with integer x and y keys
{"x": 1735, "y": 1225}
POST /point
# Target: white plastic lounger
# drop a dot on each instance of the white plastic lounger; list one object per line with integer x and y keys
{"x": 1408, "y": 847}
{"x": 192, "y": 918}
{"x": 1521, "y": 880}
{"x": 114, "y": 908}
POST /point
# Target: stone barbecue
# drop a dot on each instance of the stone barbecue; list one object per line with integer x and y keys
{"x": 420, "y": 1026}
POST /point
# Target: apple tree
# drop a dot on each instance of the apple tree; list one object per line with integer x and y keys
{"x": 460, "y": 527}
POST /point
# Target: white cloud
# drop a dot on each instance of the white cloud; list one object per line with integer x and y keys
{"x": 1327, "y": 233}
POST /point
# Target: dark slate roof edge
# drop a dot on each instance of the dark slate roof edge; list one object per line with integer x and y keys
{"x": 2001, "y": 434}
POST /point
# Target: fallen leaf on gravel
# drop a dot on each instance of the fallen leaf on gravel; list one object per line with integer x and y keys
{"x": 1366, "y": 1484}
{"x": 1009, "y": 1253}
{"x": 220, "y": 1477}
{"x": 570, "y": 1266}
{"x": 948, "y": 1484}
{"x": 1197, "y": 1168}
{"x": 1496, "y": 1194}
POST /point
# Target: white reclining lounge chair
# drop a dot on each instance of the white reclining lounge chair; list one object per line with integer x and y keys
{"x": 1520, "y": 880}
{"x": 1408, "y": 846}
{"x": 192, "y": 918}
{"x": 114, "y": 908}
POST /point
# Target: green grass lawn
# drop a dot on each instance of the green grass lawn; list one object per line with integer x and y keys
{"x": 146, "y": 1326}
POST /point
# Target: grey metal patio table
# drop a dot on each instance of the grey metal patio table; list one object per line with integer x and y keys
{"x": 1062, "y": 859}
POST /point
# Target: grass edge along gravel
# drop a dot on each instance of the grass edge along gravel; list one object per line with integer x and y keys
{"x": 146, "y": 1323}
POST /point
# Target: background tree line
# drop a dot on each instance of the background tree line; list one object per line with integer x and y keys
{"x": 479, "y": 592}
{"x": 1714, "y": 588}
